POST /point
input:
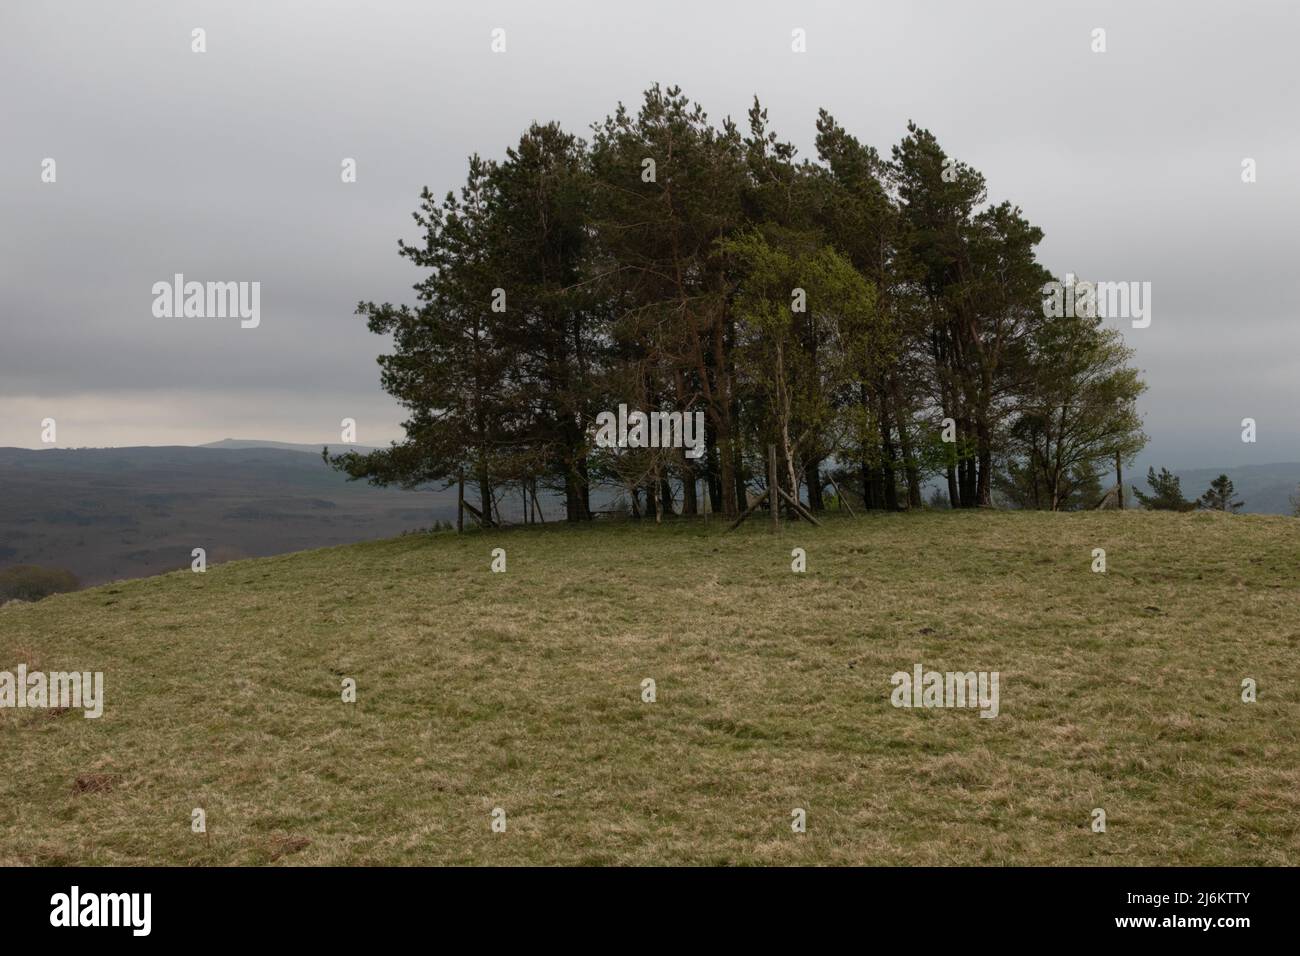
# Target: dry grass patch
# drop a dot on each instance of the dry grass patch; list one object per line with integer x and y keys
{"x": 523, "y": 691}
{"x": 94, "y": 783}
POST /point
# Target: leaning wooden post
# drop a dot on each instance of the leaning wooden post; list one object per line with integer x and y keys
{"x": 1119, "y": 479}
{"x": 844, "y": 502}
{"x": 460, "y": 501}
{"x": 537, "y": 505}
{"x": 773, "y": 499}
{"x": 758, "y": 503}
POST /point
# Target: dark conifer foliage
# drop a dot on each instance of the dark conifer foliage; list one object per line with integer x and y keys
{"x": 1220, "y": 496}
{"x": 1166, "y": 492}
{"x": 877, "y": 321}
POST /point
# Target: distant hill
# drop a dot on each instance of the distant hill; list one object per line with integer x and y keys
{"x": 112, "y": 513}
{"x": 244, "y": 443}
{"x": 1264, "y": 488}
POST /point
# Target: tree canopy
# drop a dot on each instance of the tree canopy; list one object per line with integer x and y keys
{"x": 874, "y": 319}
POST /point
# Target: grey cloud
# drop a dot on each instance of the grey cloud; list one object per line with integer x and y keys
{"x": 225, "y": 166}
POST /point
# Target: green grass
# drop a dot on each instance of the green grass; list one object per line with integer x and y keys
{"x": 522, "y": 691}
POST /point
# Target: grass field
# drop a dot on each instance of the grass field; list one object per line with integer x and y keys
{"x": 522, "y": 690}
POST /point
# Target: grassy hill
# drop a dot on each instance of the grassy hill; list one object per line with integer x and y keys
{"x": 522, "y": 691}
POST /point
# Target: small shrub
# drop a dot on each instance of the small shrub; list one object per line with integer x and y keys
{"x": 29, "y": 582}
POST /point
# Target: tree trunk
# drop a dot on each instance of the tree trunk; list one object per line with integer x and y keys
{"x": 966, "y": 467}
{"x": 571, "y": 504}
{"x": 690, "y": 505}
{"x": 1119, "y": 481}
{"x": 877, "y": 488}
{"x": 887, "y": 476}
{"x": 666, "y": 497}
{"x": 739, "y": 489}
{"x": 984, "y": 486}
{"x": 727, "y": 475}
{"x": 460, "y": 501}
{"x": 485, "y": 496}
{"x": 813, "y": 479}
{"x": 712, "y": 481}
{"x": 905, "y": 443}
{"x": 584, "y": 490}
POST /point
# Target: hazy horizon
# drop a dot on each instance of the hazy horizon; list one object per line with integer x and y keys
{"x": 225, "y": 166}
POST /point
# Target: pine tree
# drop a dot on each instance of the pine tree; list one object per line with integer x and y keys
{"x": 668, "y": 186}
{"x": 1219, "y": 496}
{"x": 1167, "y": 493}
{"x": 657, "y": 265}
{"x": 981, "y": 285}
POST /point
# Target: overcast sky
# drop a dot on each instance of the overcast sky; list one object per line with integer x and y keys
{"x": 225, "y": 166}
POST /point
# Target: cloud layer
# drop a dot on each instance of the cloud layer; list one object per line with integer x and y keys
{"x": 225, "y": 166}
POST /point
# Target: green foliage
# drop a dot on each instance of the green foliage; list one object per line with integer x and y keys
{"x": 1021, "y": 486}
{"x": 1076, "y": 413}
{"x": 797, "y": 360}
{"x": 495, "y": 362}
{"x": 1167, "y": 493}
{"x": 654, "y": 266}
{"x": 1218, "y": 497}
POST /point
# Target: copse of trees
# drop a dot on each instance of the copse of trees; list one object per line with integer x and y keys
{"x": 875, "y": 319}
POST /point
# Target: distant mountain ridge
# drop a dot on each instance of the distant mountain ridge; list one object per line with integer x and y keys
{"x": 113, "y": 513}
{"x": 245, "y": 443}
{"x": 1264, "y": 488}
